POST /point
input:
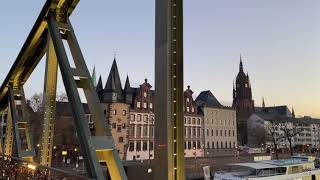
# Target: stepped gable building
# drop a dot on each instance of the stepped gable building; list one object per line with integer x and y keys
{"x": 117, "y": 111}
{"x": 193, "y": 127}
{"x": 141, "y": 131}
{"x": 219, "y": 124}
{"x": 242, "y": 102}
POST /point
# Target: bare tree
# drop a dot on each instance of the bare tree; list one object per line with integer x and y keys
{"x": 36, "y": 102}
{"x": 271, "y": 129}
{"x": 290, "y": 132}
{"x": 62, "y": 97}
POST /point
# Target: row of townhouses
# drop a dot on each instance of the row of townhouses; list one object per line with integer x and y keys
{"x": 208, "y": 125}
{"x": 210, "y": 129}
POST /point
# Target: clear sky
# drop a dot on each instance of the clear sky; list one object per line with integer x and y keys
{"x": 279, "y": 41}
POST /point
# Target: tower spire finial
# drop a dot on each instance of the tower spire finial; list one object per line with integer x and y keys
{"x": 263, "y": 103}
{"x": 241, "y": 65}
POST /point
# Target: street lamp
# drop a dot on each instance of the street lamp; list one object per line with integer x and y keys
{"x": 76, "y": 154}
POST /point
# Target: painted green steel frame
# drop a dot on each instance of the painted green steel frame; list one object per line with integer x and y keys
{"x": 16, "y": 123}
{"x": 49, "y": 105}
{"x": 79, "y": 77}
{"x": 169, "y": 140}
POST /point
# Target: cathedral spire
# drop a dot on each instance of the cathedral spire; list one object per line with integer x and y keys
{"x": 241, "y": 65}
{"x": 263, "y": 103}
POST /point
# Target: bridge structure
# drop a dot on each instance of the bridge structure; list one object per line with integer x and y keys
{"x": 51, "y": 31}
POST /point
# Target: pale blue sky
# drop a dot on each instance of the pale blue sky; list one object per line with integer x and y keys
{"x": 279, "y": 40}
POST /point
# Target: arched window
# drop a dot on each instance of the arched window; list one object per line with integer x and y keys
{"x": 207, "y": 132}
{"x": 208, "y": 145}
{"x": 212, "y": 132}
{"x": 217, "y": 145}
{"x": 221, "y": 144}
{"x": 212, "y": 145}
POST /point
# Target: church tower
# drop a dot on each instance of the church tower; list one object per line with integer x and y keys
{"x": 242, "y": 102}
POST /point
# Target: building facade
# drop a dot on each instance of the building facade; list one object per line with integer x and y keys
{"x": 242, "y": 102}
{"x": 220, "y": 130}
{"x": 141, "y": 132}
{"x": 117, "y": 111}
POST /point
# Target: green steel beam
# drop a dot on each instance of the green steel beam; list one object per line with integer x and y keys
{"x": 49, "y": 102}
{"x": 34, "y": 48}
{"x": 169, "y": 140}
{"x": 98, "y": 148}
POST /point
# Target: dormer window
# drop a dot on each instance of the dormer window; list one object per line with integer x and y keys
{"x": 145, "y": 94}
{"x": 188, "y": 99}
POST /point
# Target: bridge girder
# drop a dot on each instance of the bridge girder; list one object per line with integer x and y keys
{"x": 47, "y": 35}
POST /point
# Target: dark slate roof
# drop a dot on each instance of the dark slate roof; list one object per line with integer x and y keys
{"x": 127, "y": 87}
{"x": 207, "y": 99}
{"x": 275, "y": 110}
{"x": 99, "y": 87}
{"x": 113, "y": 83}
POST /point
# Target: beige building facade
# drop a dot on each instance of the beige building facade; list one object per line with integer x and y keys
{"x": 220, "y": 129}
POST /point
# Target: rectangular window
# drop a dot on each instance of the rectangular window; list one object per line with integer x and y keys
{"x": 123, "y": 125}
{"x": 198, "y": 145}
{"x": 192, "y": 109}
{"x": 138, "y": 146}
{"x": 193, "y": 120}
{"x": 139, "y": 117}
{"x": 151, "y": 146}
{"x": 132, "y": 117}
{"x": 194, "y": 145}
{"x": 189, "y": 145}
{"x": 151, "y": 106}
{"x": 118, "y": 128}
{"x": 199, "y": 121}
{"x": 151, "y": 131}
{"x": 131, "y": 146}
{"x": 138, "y": 104}
{"x": 194, "y": 132}
{"x": 138, "y": 131}
{"x": 145, "y": 131}
{"x": 145, "y": 105}
{"x": 120, "y": 139}
{"x": 131, "y": 130}
{"x": 198, "y": 132}
{"x": 145, "y": 118}
{"x": 114, "y": 125}
{"x": 189, "y": 132}
{"x": 188, "y": 109}
{"x": 114, "y": 112}
{"x": 124, "y": 112}
{"x": 145, "y": 146}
